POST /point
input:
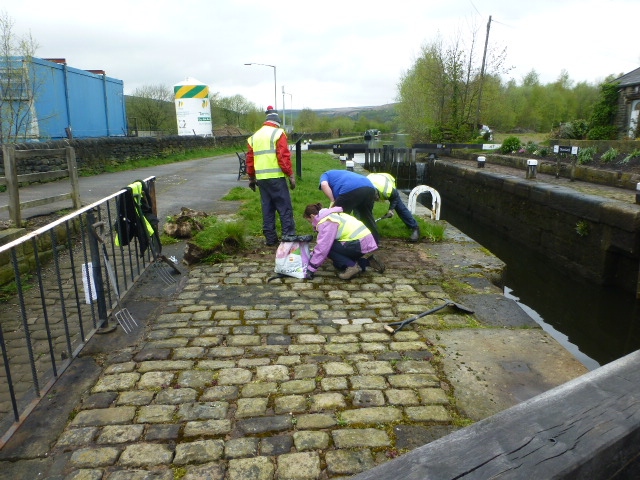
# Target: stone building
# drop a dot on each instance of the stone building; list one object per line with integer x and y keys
{"x": 629, "y": 105}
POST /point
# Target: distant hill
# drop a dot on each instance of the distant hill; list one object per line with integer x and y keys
{"x": 382, "y": 113}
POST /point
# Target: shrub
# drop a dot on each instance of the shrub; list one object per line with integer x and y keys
{"x": 580, "y": 129}
{"x": 510, "y": 145}
{"x": 576, "y": 129}
{"x": 632, "y": 155}
{"x": 585, "y": 155}
{"x": 530, "y": 147}
{"x": 609, "y": 155}
{"x": 603, "y": 133}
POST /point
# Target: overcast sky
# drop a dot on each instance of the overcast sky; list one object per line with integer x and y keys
{"x": 327, "y": 54}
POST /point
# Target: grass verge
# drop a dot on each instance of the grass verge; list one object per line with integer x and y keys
{"x": 306, "y": 192}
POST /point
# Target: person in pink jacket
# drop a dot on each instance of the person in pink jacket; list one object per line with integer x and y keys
{"x": 343, "y": 239}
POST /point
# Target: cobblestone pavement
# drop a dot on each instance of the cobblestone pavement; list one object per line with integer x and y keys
{"x": 238, "y": 373}
{"x": 242, "y": 378}
{"x": 237, "y": 377}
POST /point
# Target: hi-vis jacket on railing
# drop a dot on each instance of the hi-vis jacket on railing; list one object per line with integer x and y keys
{"x": 135, "y": 217}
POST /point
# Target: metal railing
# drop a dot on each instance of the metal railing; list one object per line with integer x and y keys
{"x": 60, "y": 297}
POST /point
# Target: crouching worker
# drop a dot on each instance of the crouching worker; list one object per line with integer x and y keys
{"x": 385, "y": 184}
{"x": 343, "y": 239}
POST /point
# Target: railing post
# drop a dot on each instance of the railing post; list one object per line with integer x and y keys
{"x": 11, "y": 177}
{"x": 96, "y": 273}
{"x": 299, "y": 158}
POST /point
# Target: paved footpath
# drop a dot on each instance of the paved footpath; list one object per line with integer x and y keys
{"x": 235, "y": 377}
{"x": 232, "y": 376}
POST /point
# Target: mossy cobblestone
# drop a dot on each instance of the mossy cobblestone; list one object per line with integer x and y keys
{"x": 238, "y": 377}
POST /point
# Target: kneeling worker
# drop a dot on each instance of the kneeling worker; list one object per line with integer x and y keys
{"x": 343, "y": 239}
{"x": 385, "y": 184}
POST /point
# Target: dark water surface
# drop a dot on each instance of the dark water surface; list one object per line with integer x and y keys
{"x": 597, "y": 324}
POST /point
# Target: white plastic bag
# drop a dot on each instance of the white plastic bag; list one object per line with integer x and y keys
{"x": 292, "y": 259}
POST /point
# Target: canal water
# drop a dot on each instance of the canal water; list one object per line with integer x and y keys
{"x": 596, "y": 324}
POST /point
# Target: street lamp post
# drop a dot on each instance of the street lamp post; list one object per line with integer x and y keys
{"x": 290, "y": 106}
{"x": 275, "y": 88}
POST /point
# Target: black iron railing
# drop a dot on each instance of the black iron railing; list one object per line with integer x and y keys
{"x": 59, "y": 298}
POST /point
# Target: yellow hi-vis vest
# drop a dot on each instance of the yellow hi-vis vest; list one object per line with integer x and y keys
{"x": 349, "y": 228}
{"x": 384, "y": 183}
{"x": 136, "y": 192}
{"x": 263, "y": 143}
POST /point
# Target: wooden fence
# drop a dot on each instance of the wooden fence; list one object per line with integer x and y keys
{"x": 12, "y": 180}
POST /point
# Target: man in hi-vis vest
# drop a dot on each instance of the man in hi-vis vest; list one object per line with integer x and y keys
{"x": 269, "y": 167}
{"x": 386, "y": 186}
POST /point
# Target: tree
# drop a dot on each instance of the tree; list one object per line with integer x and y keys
{"x": 308, "y": 121}
{"x": 604, "y": 113}
{"x": 151, "y": 107}
{"x": 237, "y": 111}
{"x": 18, "y": 84}
{"x": 438, "y": 97}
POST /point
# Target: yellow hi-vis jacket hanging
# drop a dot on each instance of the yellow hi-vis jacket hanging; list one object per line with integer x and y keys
{"x": 263, "y": 143}
{"x": 136, "y": 193}
{"x": 350, "y": 228}
{"x": 384, "y": 183}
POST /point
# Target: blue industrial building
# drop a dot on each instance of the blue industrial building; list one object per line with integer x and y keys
{"x": 70, "y": 103}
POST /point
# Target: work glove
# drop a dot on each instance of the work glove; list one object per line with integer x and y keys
{"x": 389, "y": 214}
{"x": 252, "y": 183}
{"x": 309, "y": 275}
{"x": 292, "y": 182}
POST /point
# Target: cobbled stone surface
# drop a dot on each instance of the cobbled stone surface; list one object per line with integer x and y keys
{"x": 286, "y": 386}
{"x": 239, "y": 378}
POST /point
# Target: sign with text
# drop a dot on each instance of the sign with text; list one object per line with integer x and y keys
{"x": 565, "y": 149}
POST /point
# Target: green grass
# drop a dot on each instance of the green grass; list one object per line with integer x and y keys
{"x": 307, "y": 192}
{"x": 229, "y": 237}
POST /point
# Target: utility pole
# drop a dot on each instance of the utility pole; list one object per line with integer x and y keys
{"x": 484, "y": 59}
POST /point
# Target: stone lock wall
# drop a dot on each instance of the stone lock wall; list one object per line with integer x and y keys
{"x": 594, "y": 237}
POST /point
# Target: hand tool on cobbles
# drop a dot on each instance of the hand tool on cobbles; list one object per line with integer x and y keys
{"x": 122, "y": 315}
{"x": 160, "y": 261}
{"x": 448, "y": 303}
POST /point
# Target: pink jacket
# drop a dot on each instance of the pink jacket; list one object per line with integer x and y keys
{"x": 327, "y": 233}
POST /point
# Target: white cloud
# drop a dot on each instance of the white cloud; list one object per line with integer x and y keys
{"x": 329, "y": 54}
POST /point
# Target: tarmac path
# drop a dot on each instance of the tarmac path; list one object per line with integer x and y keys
{"x": 197, "y": 184}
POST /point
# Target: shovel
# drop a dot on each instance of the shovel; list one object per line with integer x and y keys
{"x": 448, "y": 303}
{"x": 122, "y": 315}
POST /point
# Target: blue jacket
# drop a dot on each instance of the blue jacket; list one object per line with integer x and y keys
{"x": 344, "y": 181}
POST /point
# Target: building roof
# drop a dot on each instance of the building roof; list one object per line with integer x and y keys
{"x": 629, "y": 79}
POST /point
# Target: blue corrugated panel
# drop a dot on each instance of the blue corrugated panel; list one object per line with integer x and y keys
{"x": 91, "y": 105}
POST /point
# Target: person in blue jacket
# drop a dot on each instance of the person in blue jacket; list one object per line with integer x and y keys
{"x": 354, "y": 193}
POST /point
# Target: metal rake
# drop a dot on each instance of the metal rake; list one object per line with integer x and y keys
{"x": 160, "y": 262}
{"x": 122, "y": 315}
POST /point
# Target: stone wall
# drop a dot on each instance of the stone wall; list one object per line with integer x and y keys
{"x": 594, "y": 237}
{"x": 97, "y": 152}
{"x": 613, "y": 178}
